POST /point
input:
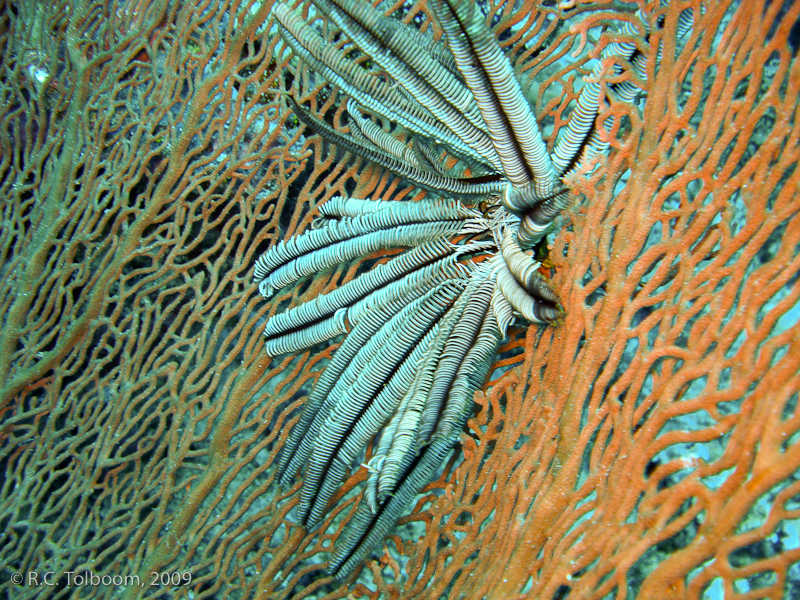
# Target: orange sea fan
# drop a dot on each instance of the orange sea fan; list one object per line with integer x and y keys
{"x": 647, "y": 447}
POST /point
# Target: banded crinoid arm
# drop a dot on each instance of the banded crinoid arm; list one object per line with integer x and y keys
{"x": 509, "y": 119}
{"x": 374, "y": 371}
{"x": 384, "y": 98}
{"x": 416, "y": 71}
{"x": 383, "y": 307}
{"x": 372, "y": 523}
{"x": 419, "y": 414}
{"x": 362, "y": 227}
{"x": 626, "y": 90}
{"x": 533, "y": 190}
{"x": 410, "y": 427}
{"x": 395, "y": 224}
{"x": 352, "y": 228}
{"x": 424, "y": 178}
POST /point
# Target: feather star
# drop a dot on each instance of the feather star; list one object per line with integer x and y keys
{"x": 422, "y": 329}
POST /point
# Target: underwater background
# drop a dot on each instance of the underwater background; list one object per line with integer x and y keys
{"x": 648, "y": 446}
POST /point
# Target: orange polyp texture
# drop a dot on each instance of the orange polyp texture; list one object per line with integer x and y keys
{"x": 142, "y": 419}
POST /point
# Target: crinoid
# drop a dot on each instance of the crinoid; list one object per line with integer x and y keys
{"x": 421, "y": 329}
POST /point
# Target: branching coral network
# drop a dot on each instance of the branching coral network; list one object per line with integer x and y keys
{"x": 645, "y": 447}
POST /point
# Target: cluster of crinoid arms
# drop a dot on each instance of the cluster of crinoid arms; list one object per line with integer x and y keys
{"x": 422, "y": 329}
